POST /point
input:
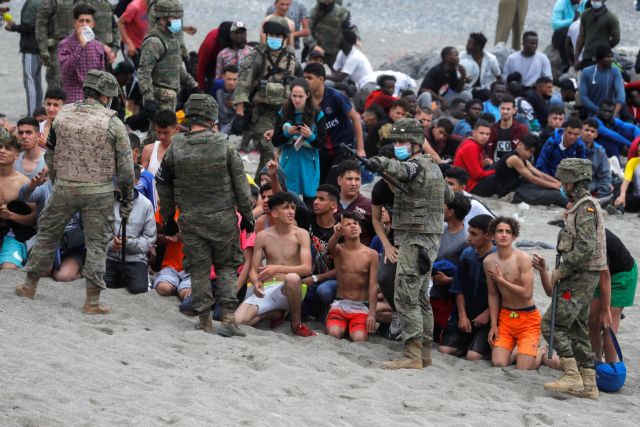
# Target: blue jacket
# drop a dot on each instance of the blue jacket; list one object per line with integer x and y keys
{"x": 597, "y": 85}
{"x": 462, "y": 128}
{"x": 601, "y": 181}
{"x": 564, "y": 12}
{"x": 551, "y": 155}
{"x": 619, "y": 135}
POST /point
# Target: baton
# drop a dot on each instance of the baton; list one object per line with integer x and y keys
{"x": 554, "y": 303}
{"x": 391, "y": 180}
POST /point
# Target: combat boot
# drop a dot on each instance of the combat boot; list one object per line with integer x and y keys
{"x": 426, "y": 353}
{"x": 590, "y": 390}
{"x": 571, "y": 381}
{"x": 411, "y": 356}
{"x": 228, "y": 326}
{"x": 92, "y": 302}
{"x": 28, "y": 288}
{"x": 206, "y": 323}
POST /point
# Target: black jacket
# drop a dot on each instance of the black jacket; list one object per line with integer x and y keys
{"x": 27, "y": 27}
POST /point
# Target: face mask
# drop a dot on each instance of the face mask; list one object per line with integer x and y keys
{"x": 402, "y": 153}
{"x": 175, "y": 25}
{"x": 563, "y": 192}
{"x": 597, "y": 4}
{"x": 274, "y": 43}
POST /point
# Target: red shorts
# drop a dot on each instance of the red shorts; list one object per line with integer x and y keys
{"x": 521, "y": 328}
{"x": 356, "y": 322}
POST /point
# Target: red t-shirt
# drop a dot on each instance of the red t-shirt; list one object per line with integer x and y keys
{"x": 469, "y": 157}
{"x": 136, "y": 21}
{"x": 633, "y": 149}
{"x": 380, "y": 98}
{"x": 173, "y": 253}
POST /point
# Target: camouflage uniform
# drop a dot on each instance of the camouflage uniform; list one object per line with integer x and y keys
{"x": 202, "y": 175}
{"x": 88, "y": 145}
{"x": 151, "y": 17}
{"x": 417, "y": 225}
{"x": 54, "y": 22}
{"x": 582, "y": 246}
{"x": 263, "y": 82}
{"x": 326, "y": 30}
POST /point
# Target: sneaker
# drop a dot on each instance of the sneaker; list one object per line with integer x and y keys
{"x": 303, "y": 331}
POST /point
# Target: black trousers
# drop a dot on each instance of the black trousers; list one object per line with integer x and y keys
{"x": 136, "y": 278}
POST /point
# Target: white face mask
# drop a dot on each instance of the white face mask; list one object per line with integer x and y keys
{"x": 597, "y": 4}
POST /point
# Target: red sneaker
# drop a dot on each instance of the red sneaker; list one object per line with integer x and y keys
{"x": 303, "y": 331}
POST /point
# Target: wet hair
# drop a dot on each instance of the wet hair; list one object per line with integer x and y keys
{"x": 445, "y": 124}
{"x": 351, "y": 215}
{"x": 315, "y": 69}
{"x": 281, "y": 198}
{"x": 56, "y": 93}
{"x": 39, "y": 111}
{"x": 231, "y": 68}
{"x": 457, "y": 173}
{"x": 557, "y": 110}
{"x": 134, "y": 142}
{"x": 515, "y": 225}
{"x": 383, "y": 78}
{"x": 508, "y": 99}
{"x": 591, "y": 122}
{"x": 530, "y": 141}
{"x": 332, "y": 191}
{"x": 460, "y": 204}
{"x": 265, "y": 187}
{"x": 573, "y": 123}
{"x": 29, "y": 121}
{"x": 481, "y": 124}
{"x": 348, "y": 166}
{"x": 165, "y": 119}
{"x": 529, "y": 34}
{"x": 83, "y": 9}
{"x": 309, "y": 111}
{"x": 446, "y": 51}
{"x": 481, "y": 222}
{"x": 479, "y": 39}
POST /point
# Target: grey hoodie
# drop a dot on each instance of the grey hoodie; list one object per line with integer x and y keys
{"x": 141, "y": 230}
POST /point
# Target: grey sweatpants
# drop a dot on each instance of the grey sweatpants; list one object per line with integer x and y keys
{"x": 32, "y": 78}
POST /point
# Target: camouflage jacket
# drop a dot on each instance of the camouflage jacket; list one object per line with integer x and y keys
{"x": 326, "y": 28}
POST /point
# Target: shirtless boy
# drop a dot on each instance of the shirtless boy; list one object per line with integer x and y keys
{"x": 515, "y": 320}
{"x": 287, "y": 250}
{"x": 166, "y": 125}
{"x": 356, "y": 267}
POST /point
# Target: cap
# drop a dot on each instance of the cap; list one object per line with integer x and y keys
{"x": 238, "y": 25}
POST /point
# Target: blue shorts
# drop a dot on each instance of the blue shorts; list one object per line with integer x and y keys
{"x": 13, "y": 252}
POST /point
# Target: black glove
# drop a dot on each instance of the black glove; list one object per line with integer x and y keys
{"x": 247, "y": 225}
{"x": 196, "y": 90}
{"x": 374, "y": 165}
{"x": 171, "y": 227}
{"x": 150, "y": 108}
{"x": 237, "y": 125}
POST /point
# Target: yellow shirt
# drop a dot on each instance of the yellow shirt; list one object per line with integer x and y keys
{"x": 632, "y": 164}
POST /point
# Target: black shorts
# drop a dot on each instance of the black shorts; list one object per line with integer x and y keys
{"x": 475, "y": 341}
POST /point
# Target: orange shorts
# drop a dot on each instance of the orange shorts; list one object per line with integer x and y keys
{"x": 521, "y": 328}
{"x": 356, "y": 322}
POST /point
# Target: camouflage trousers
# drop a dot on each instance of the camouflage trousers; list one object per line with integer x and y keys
{"x": 571, "y": 337}
{"x": 263, "y": 118}
{"x": 97, "y": 221}
{"x": 166, "y": 99}
{"x": 411, "y": 299}
{"x": 52, "y": 74}
{"x": 211, "y": 239}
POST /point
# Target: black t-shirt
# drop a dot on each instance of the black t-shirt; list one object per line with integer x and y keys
{"x": 320, "y": 236}
{"x": 503, "y": 144}
{"x": 507, "y": 178}
{"x": 381, "y": 195}
{"x": 618, "y": 256}
{"x": 437, "y": 78}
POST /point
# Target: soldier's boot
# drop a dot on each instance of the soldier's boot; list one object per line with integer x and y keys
{"x": 571, "y": 381}
{"x": 426, "y": 353}
{"x": 92, "y": 302}
{"x": 228, "y": 326}
{"x": 205, "y": 323}
{"x": 411, "y": 356}
{"x": 590, "y": 390}
{"x": 28, "y": 288}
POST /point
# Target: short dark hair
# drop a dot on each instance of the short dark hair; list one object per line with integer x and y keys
{"x": 332, "y": 191}
{"x": 543, "y": 80}
{"x": 315, "y": 69}
{"x": 496, "y": 83}
{"x": 591, "y": 122}
{"x": 383, "y": 78}
{"x": 402, "y": 104}
{"x": 608, "y": 102}
{"x": 481, "y": 124}
{"x": 124, "y": 67}
{"x": 556, "y": 109}
{"x": 349, "y": 36}
{"x": 83, "y": 9}
{"x": 351, "y": 215}
{"x": 165, "y": 119}
{"x": 479, "y": 39}
{"x": 488, "y": 117}
{"x": 573, "y": 123}
{"x": 348, "y": 166}
{"x": 134, "y": 142}
{"x": 457, "y": 173}
{"x": 460, "y": 204}
{"x": 265, "y": 187}
{"x": 508, "y": 99}
{"x": 39, "y": 111}
{"x": 446, "y": 51}
{"x": 514, "y": 224}
{"x": 529, "y": 34}
{"x": 407, "y": 92}
{"x": 281, "y": 198}
{"x": 377, "y": 110}
{"x": 445, "y": 124}
{"x": 481, "y": 222}
{"x": 456, "y": 102}
{"x": 56, "y": 93}
{"x": 470, "y": 103}
{"x": 231, "y": 68}
{"x": 530, "y": 140}
{"x": 29, "y": 121}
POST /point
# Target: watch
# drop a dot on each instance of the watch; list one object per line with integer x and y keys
{"x": 314, "y": 278}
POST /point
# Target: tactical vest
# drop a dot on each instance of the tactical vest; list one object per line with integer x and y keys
{"x": 62, "y": 24}
{"x": 275, "y": 76}
{"x": 104, "y": 21}
{"x": 201, "y": 180}
{"x": 83, "y": 152}
{"x": 598, "y": 260}
{"x": 327, "y": 28}
{"x": 166, "y": 73}
{"x": 421, "y": 210}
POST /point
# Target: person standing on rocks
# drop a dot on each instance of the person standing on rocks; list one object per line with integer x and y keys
{"x": 511, "y": 16}
{"x": 326, "y": 23}
{"x": 417, "y": 224}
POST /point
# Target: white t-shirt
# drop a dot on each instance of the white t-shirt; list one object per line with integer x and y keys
{"x": 531, "y": 68}
{"x": 403, "y": 81}
{"x": 355, "y": 65}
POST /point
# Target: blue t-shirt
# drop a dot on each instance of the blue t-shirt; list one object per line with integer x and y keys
{"x": 488, "y": 107}
{"x": 472, "y": 283}
{"x": 145, "y": 187}
{"x": 335, "y": 107}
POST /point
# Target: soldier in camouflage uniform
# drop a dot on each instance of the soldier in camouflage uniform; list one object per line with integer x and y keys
{"x": 263, "y": 86}
{"x": 161, "y": 72}
{"x": 326, "y": 23}
{"x": 87, "y": 146}
{"x": 151, "y": 17}
{"x": 202, "y": 175}
{"x": 417, "y": 224}
{"x": 582, "y": 246}
{"x": 55, "y": 22}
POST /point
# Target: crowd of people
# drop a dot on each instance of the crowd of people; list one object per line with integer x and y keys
{"x": 422, "y": 260}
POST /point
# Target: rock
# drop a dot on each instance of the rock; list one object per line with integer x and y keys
{"x": 556, "y": 63}
{"x": 502, "y": 52}
{"x": 410, "y": 63}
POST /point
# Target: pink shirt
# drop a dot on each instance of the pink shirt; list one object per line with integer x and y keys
{"x": 135, "y": 21}
{"x": 246, "y": 241}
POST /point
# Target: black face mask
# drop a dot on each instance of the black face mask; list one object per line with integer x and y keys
{"x": 326, "y": 8}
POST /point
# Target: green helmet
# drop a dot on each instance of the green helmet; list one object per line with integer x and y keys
{"x": 574, "y": 170}
{"x": 202, "y": 105}
{"x": 169, "y": 9}
{"x": 407, "y": 130}
{"x": 102, "y": 82}
{"x": 276, "y": 25}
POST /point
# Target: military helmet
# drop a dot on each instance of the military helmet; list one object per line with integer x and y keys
{"x": 574, "y": 170}
{"x": 4, "y": 136}
{"x": 276, "y": 25}
{"x": 202, "y": 105}
{"x": 407, "y": 130}
{"x": 169, "y": 9}
{"x": 102, "y": 82}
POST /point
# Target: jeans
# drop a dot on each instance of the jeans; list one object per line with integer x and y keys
{"x": 319, "y": 296}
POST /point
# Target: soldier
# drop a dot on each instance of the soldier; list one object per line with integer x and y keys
{"x": 263, "y": 84}
{"x": 55, "y": 22}
{"x": 417, "y": 224}
{"x": 161, "y": 73}
{"x": 151, "y": 17}
{"x": 87, "y": 145}
{"x": 582, "y": 246}
{"x": 326, "y": 22}
{"x": 202, "y": 175}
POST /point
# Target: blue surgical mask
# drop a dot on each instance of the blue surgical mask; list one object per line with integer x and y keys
{"x": 175, "y": 25}
{"x": 402, "y": 152}
{"x": 563, "y": 192}
{"x": 274, "y": 43}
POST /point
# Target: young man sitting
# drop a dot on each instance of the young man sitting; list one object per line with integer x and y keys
{"x": 356, "y": 267}
{"x": 470, "y": 157}
{"x": 564, "y": 143}
{"x": 600, "y": 184}
{"x": 31, "y": 159}
{"x": 515, "y": 320}
{"x": 288, "y": 254}
{"x": 54, "y": 100}
{"x": 506, "y": 133}
{"x": 350, "y": 182}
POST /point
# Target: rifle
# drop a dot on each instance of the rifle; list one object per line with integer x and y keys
{"x": 391, "y": 180}
{"x": 554, "y": 303}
